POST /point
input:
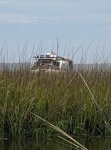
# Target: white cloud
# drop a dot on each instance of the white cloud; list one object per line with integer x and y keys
{"x": 14, "y": 18}
{"x": 51, "y": 11}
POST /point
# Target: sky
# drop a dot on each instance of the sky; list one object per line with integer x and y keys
{"x": 83, "y": 28}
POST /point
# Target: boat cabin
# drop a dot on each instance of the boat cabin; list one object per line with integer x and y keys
{"x": 49, "y": 62}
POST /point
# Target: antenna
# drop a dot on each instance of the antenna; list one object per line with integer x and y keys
{"x": 57, "y": 46}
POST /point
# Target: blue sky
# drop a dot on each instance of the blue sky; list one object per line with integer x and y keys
{"x": 29, "y": 25}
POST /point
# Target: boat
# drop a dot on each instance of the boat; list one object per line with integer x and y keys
{"x": 50, "y": 62}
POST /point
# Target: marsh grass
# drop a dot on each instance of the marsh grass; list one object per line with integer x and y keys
{"x": 73, "y": 141}
{"x": 77, "y": 102}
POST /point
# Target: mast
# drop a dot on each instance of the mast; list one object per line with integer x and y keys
{"x": 57, "y": 46}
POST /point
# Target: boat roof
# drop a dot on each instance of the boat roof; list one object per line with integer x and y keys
{"x": 51, "y": 56}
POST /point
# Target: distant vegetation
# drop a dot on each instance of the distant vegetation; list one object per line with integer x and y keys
{"x": 27, "y": 66}
{"x": 15, "y": 66}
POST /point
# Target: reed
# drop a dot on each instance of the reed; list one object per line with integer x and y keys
{"x": 77, "y": 102}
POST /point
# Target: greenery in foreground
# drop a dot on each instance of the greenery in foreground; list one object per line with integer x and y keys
{"x": 63, "y": 99}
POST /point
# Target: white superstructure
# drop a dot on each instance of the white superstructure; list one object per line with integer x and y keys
{"x": 49, "y": 62}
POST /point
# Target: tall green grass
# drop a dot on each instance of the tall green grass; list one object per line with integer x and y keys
{"x": 77, "y": 102}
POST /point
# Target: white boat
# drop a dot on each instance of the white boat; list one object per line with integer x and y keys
{"x": 50, "y": 62}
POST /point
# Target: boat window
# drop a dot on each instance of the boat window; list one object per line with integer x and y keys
{"x": 47, "y": 56}
{"x": 56, "y": 63}
{"x": 45, "y": 61}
